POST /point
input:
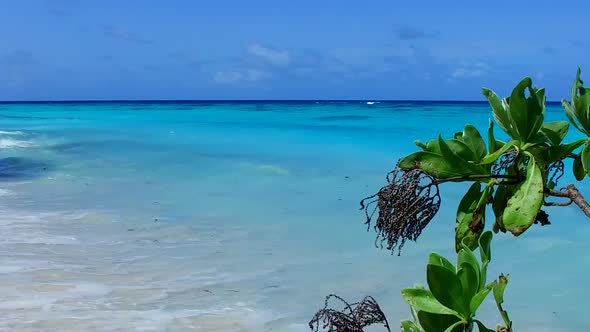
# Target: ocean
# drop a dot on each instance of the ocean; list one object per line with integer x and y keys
{"x": 240, "y": 216}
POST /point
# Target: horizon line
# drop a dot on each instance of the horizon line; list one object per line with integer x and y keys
{"x": 244, "y": 101}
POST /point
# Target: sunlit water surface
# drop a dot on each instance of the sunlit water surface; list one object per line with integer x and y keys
{"x": 238, "y": 217}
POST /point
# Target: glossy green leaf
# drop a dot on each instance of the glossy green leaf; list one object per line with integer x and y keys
{"x": 472, "y": 138}
{"x": 470, "y": 282}
{"x": 424, "y": 300}
{"x": 421, "y": 145}
{"x": 503, "y": 193}
{"x": 454, "y": 326}
{"x": 446, "y": 287}
{"x": 470, "y": 219}
{"x": 490, "y": 158}
{"x": 466, "y": 256}
{"x": 571, "y": 115}
{"x": 479, "y": 297}
{"x": 436, "y": 323}
{"x": 526, "y": 113}
{"x": 431, "y": 163}
{"x": 461, "y": 149}
{"x": 578, "y": 110}
{"x": 485, "y": 251}
{"x": 581, "y": 102}
{"x": 499, "y": 112}
{"x": 486, "y": 256}
{"x": 499, "y": 287}
{"x": 436, "y": 259}
{"x": 491, "y": 138}
{"x": 578, "y": 168}
{"x": 563, "y": 151}
{"x": 555, "y": 131}
{"x": 483, "y": 328}
{"x": 585, "y": 157}
{"x": 409, "y": 326}
{"x": 457, "y": 154}
{"x": 526, "y": 200}
{"x": 457, "y": 146}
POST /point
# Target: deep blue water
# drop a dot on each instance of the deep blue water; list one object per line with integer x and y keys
{"x": 238, "y": 216}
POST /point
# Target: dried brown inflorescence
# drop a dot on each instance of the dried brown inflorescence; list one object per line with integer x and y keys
{"x": 555, "y": 171}
{"x": 504, "y": 162}
{"x": 351, "y": 318}
{"x": 542, "y": 218}
{"x": 405, "y": 206}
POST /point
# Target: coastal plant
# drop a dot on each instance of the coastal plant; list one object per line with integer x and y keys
{"x": 455, "y": 293}
{"x": 517, "y": 176}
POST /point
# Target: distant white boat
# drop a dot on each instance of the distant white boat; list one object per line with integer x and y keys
{"x": 370, "y": 102}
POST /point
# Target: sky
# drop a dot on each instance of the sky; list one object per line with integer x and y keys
{"x": 288, "y": 49}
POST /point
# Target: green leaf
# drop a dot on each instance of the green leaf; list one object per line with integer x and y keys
{"x": 578, "y": 110}
{"x": 423, "y": 300}
{"x": 499, "y": 112}
{"x": 526, "y": 200}
{"x": 578, "y": 168}
{"x": 491, "y": 138}
{"x": 457, "y": 146}
{"x": 436, "y": 259}
{"x": 483, "y": 328}
{"x": 435, "y": 323}
{"x": 571, "y": 115}
{"x": 490, "y": 158}
{"x": 409, "y": 326}
{"x": 563, "y": 151}
{"x": 585, "y": 157}
{"x": 457, "y": 154}
{"x": 486, "y": 256}
{"x": 431, "y": 163}
{"x": 461, "y": 149}
{"x": 420, "y": 144}
{"x": 555, "y": 131}
{"x": 470, "y": 217}
{"x": 452, "y": 327}
{"x": 470, "y": 282}
{"x": 448, "y": 163}
{"x": 503, "y": 193}
{"x": 499, "y": 287}
{"x": 478, "y": 298}
{"x": 466, "y": 256}
{"x": 472, "y": 138}
{"x": 526, "y": 114}
{"x": 485, "y": 241}
{"x": 446, "y": 287}
{"x": 581, "y": 103}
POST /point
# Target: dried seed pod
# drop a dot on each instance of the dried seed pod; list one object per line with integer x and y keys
{"x": 504, "y": 162}
{"x": 542, "y": 218}
{"x": 351, "y": 318}
{"x": 555, "y": 171}
{"x": 405, "y": 206}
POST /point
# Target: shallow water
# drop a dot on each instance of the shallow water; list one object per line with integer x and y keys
{"x": 237, "y": 217}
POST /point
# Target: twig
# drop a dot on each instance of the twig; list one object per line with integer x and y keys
{"x": 568, "y": 203}
{"x": 574, "y": 195}
{"x": 478, "y": 177}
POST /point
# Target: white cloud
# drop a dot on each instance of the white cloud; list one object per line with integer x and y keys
{"x": 467, "y": 71}
{"x": 271, "y": 55}
{"x": 233, "y": 76}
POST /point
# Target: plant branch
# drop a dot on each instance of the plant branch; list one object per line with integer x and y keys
{"x": 568, "y": 203}
{"x": 479, "y": 177}
{"x": 574, "y": 195}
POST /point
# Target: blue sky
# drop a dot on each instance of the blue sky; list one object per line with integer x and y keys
{"x": 287, "y": 49}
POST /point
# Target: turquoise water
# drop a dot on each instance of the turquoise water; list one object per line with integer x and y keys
{"x": 237, "y": 217}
